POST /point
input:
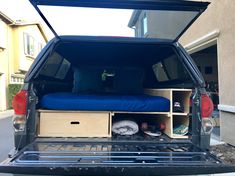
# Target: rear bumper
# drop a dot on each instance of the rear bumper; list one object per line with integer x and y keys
{"x": 113, "y": 158}
{"x": 117, "y": 170}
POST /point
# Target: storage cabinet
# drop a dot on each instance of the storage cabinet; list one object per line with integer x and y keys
{"x": 174, "y": 119}
{"x": 54, "y": 123}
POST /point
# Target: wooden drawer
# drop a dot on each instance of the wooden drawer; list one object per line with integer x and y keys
{"x": 60, "y": 124}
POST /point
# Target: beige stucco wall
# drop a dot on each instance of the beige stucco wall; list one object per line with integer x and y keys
{"x": 5, "y": 56}
{"x": 220, "y": 16}
{"x": 15, "y": 42}
{"x": 22, "y": 61}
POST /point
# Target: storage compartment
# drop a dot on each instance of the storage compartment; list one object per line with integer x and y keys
{"x": 180, "y": 126}
{"x": 179, "y": 111}
{"x": 74, "y": 124}
{"x": 181, "y": 101}
{"x": 141, "y": 125}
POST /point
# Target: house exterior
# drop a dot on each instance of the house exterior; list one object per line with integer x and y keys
{"x": 20, "y": 42}
{"x": 215, "y": 28}
{"x": 210, "y": 42}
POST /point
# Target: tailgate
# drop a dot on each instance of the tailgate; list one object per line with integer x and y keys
{"x": 112, "y": 158}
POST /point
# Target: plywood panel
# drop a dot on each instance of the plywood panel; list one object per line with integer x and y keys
{"x": 166, "y": 93}
{"x": 167, "y": 121}
{"x": 111, "y": 112}
{"x": 159, "y": 92}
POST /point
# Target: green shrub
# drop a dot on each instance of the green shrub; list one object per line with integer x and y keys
{"x": 12, "y": 90}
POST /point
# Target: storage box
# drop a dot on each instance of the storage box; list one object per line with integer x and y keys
{"x": 74, "y": 124}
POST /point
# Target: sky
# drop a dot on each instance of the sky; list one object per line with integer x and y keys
{"x": 71, "y": 20}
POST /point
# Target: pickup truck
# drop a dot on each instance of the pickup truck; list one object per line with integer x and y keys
{"x": 99, "y": 105}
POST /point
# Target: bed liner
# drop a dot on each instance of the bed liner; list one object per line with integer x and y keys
{"x": 111, "y": 158}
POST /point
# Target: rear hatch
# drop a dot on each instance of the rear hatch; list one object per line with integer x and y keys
{"x": 97, "y": 156}
{"x": 162, "y": 19}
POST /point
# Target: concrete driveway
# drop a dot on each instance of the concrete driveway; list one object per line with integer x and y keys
{"x": 6, "y": 136}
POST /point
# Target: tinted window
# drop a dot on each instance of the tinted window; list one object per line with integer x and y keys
{"x": 164, "y": 24}
{"x": 170, "y": 69}
{"x": 160, "y": 72}
{"x": 64, "y": 68}
{"x": 56, "y": 66}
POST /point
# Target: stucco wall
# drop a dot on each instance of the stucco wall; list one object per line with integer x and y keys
{"x": 219, "y": 16}
{"x": 5, "y": 56}
{"x": 24, "y": 60}
{"x": 15, "y": 60}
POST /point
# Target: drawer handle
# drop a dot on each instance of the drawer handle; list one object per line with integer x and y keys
{"x": 74, "y": 123}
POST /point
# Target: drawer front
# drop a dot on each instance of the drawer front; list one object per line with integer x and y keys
{"x": 74, "y": 125}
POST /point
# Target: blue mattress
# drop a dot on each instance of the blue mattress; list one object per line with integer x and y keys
{"x": 133, "y": 103}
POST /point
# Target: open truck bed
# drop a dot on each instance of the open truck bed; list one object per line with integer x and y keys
{"x": 89, "y": 156}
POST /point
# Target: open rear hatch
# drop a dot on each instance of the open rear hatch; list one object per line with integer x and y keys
{"x": 119, "y": 17}
{"x": 50, "y": 156}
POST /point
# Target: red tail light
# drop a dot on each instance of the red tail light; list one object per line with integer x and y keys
{"x": 19, "y": 102}
{"x": 207, "y": 106}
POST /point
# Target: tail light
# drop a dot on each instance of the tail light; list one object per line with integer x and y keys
{"x": 207, "y": 106}
{"x": 207, "y": 109}
{"x": 19, "y": 105}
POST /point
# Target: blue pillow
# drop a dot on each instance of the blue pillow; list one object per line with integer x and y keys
{"x": 127, "y": 80}
{"x": 87, "y": 80}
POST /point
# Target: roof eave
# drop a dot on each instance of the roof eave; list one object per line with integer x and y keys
{"x": 33, "y": 23}
{"x": 5, "y": 18}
